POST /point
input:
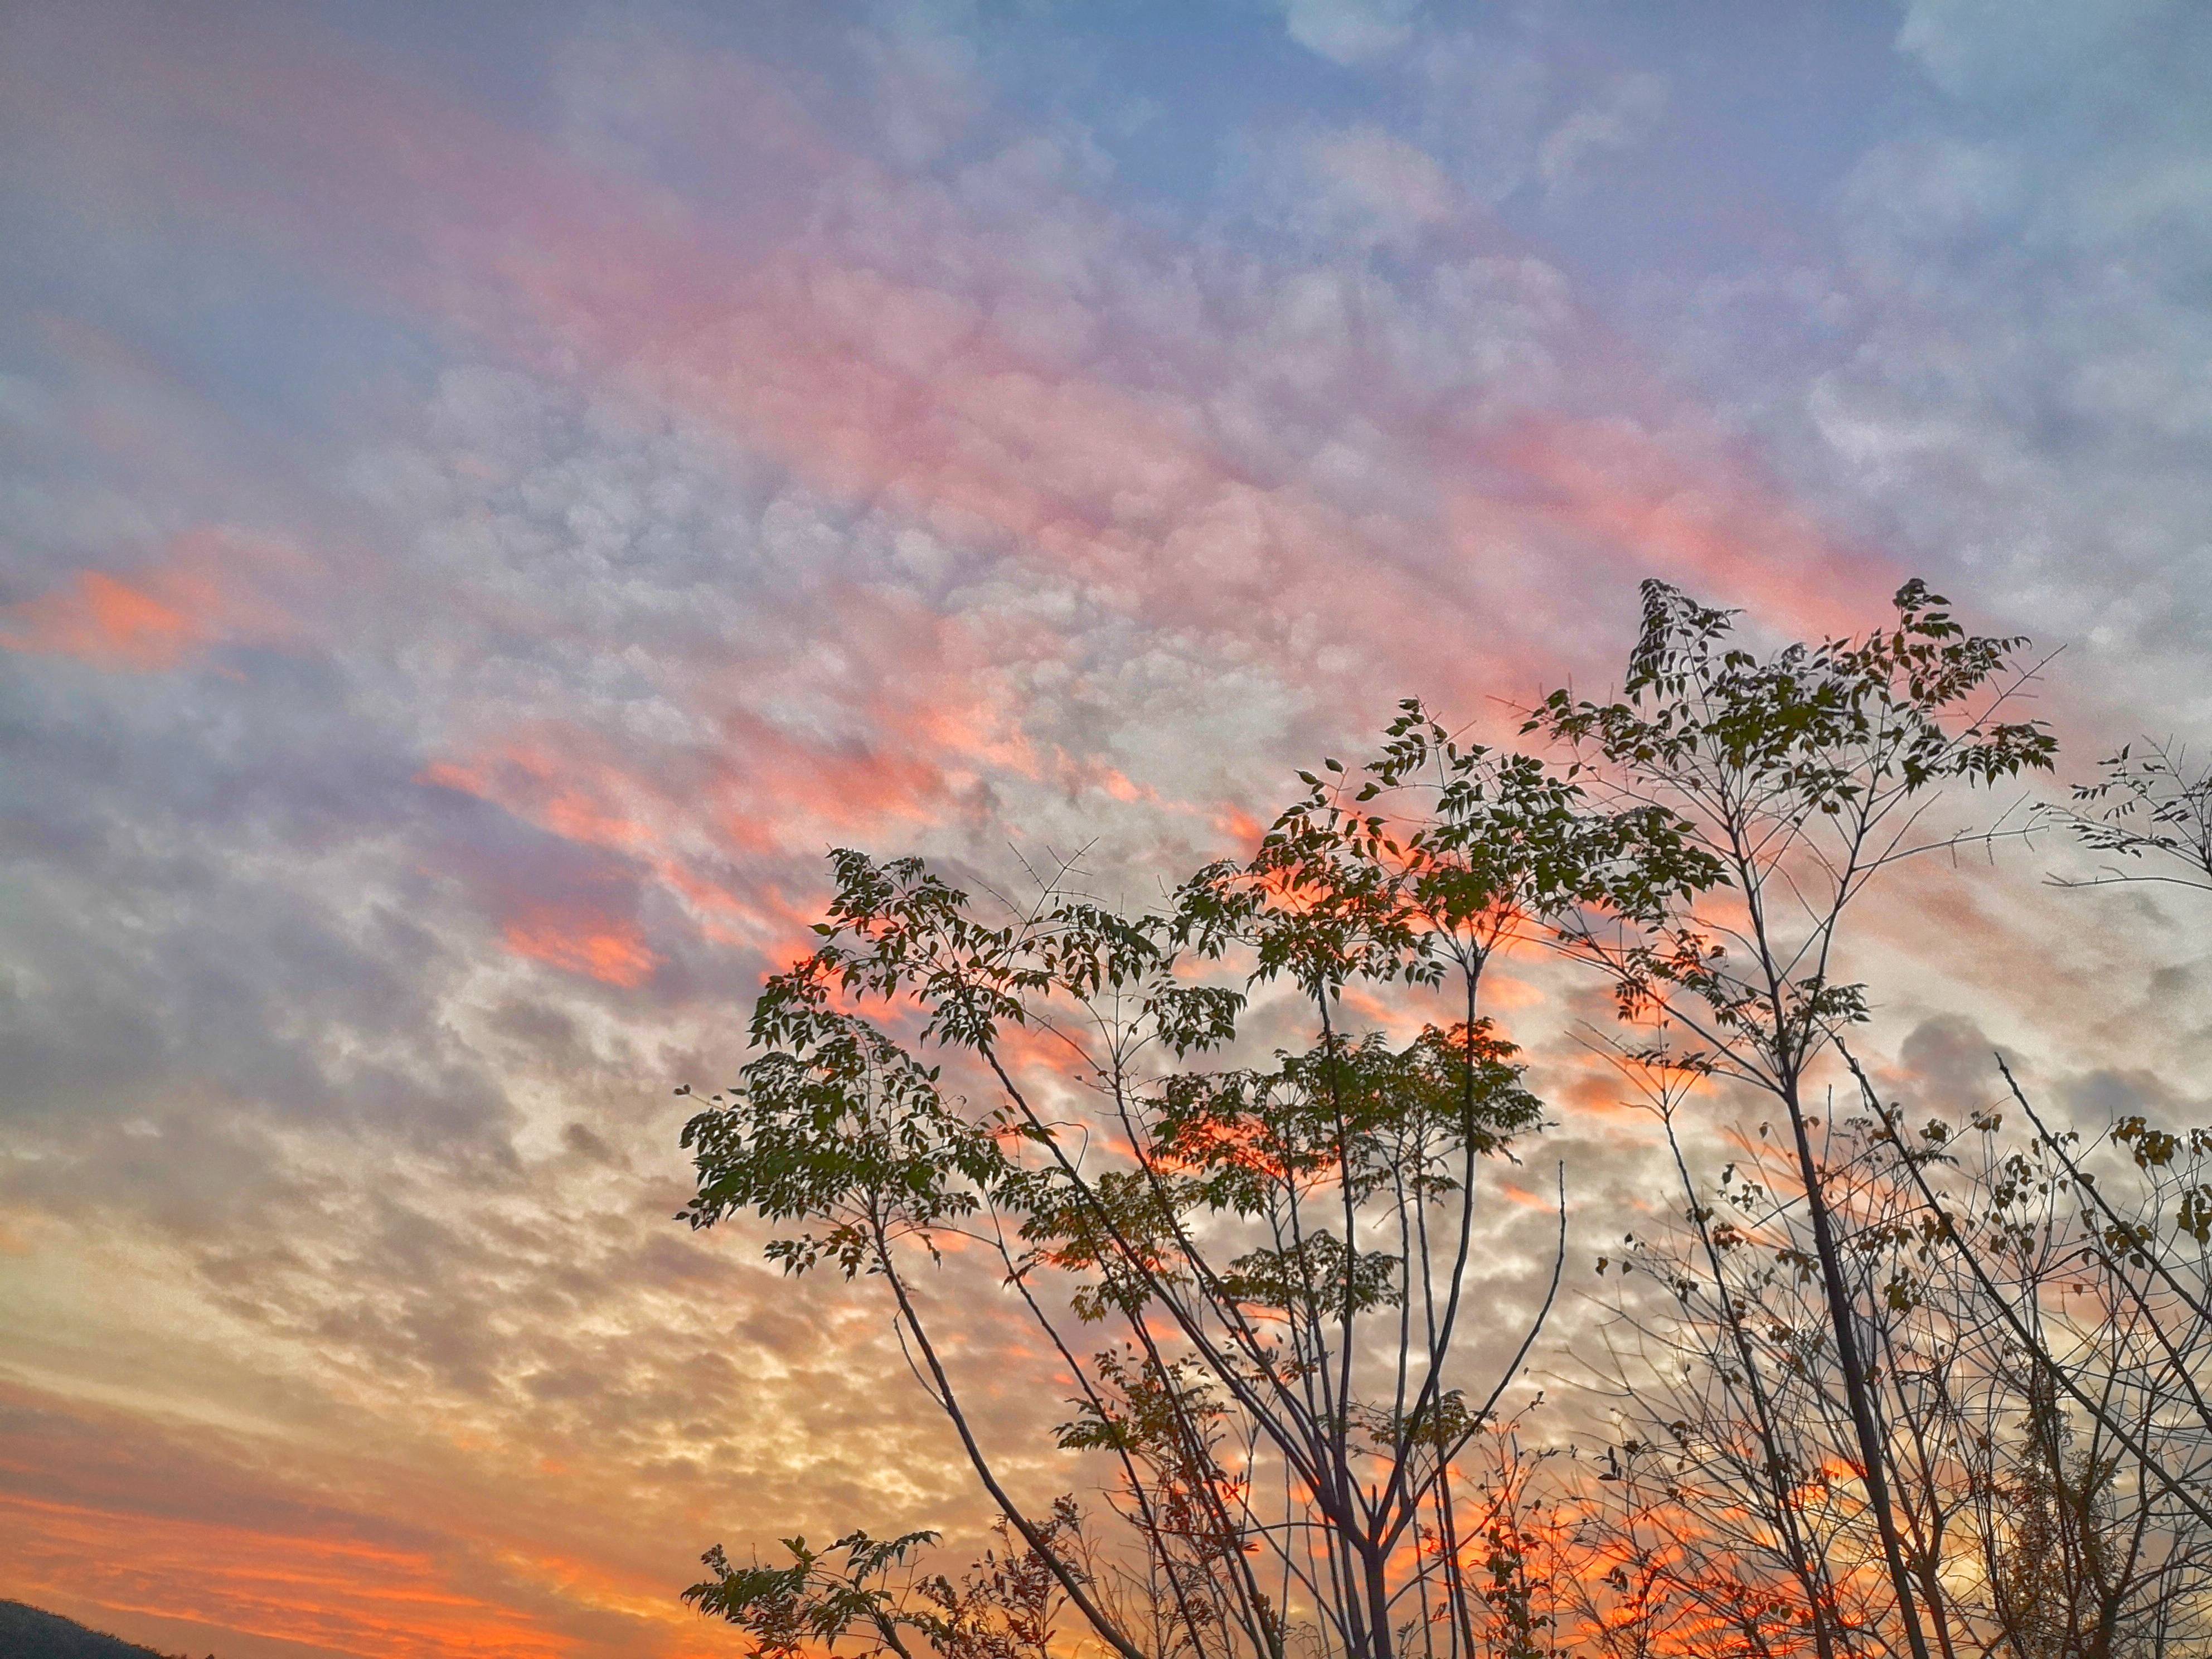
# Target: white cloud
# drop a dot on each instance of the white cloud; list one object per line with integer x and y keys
{"x": 1375, "y": 187}
{"x": 1620, "y": 116}
{"x": 2032, "y": 365}
{"x": 1996, "y": 48}
{"x": 1351, "y": 31}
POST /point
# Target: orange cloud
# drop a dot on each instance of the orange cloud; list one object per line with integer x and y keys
{"x": 688, "y": 820}
{"x": 607, "y": 948}
{"x": 341, "y": 1595}
{"x": 715, "y": 820}
{"x": 201, "y": 592}
{"x": 98, "y": 619}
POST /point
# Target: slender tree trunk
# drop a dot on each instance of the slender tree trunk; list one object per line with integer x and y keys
{"x": 1109, "y": 1631}
{"x": 1811, "y": 1575}
{"x": 1859, "y": 1398}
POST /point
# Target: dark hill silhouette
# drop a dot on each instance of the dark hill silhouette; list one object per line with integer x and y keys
{"x": 32, "y": 1634}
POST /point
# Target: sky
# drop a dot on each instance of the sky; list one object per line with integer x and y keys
{"x": 490, "y": 494}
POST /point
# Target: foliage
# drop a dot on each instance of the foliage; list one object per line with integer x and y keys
{"x": 1797, "y": 778}
{"x": 1878, "y": 1390}
{"x": 869, "y": 1594}
{"x": 2148, "y": 807}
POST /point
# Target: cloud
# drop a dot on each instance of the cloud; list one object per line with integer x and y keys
{"x": 608, "y": 948}
{"x": 1382, "y": 183}
{"x": 199, "y": 593}
{"x": 1351, "y": 31}
{"x": 2015, "y": 397}
{"x": 1973, "y": 48}
{"x": 1619, "y": 116}
{"x": 102, "y": 620}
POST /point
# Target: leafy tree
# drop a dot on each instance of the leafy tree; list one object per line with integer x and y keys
{"x": 1268, "y": 1262}
{"x": 1257, "y": 1272}
{"x": 1802, "y": 776}
{"x": 867, "y": 1594}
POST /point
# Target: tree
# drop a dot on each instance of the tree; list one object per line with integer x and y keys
{"x": 1802, "y": 776}
{"x": 2033, "y": 1302}
{"x": 2083, "y": 1262}
{"x": 1256, "y": 1272}
{"x": 1275, "y": 1255}
{"x": 1006, "y": 1606}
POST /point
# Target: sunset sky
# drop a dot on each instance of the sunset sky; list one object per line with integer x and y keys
{"x": 490, "y": 492}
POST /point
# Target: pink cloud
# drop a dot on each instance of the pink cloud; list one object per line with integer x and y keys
{"x": 875, "y": 385}
{"x": 1712, "y": 526}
